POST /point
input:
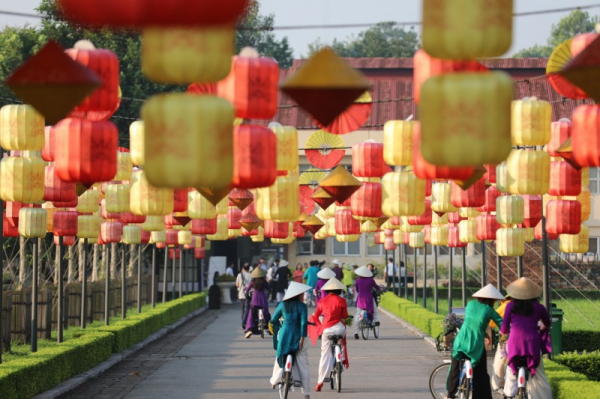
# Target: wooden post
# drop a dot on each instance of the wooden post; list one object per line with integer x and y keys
{"x": 425, "y": 276}
{"x": 123, "y": 284}
{"x": 520, "y": 267}
{"x": 106, "y": 250}
{"x": 61, "y": 304}
{"x": 464, "y": 277}
{"x": 84, "y": 277}
{"x": 450, "y": 281}
{"x": 34, "y": 295}
{"x": 139, "y": 279}
{"x": 153, "y": 289}
{"x": 435, "y": 280}
{"x": 483, "y": 265}
{"x": 166, "y": 263}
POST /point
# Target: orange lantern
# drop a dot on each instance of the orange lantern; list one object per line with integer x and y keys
{"x": 254, "y": 157}
{"x": 65, "y": 223}
{"x": 423, "y": 219}
{"x": 491, "y": 194}
{"x": 233, "y": 218}
{"x": 487, "y": 225}
{"x": 454, "y": 238}
{"x": 560, "y": 132}
{"x": 367, "y": 159}
{"x": 56, "y": 190}
{"x": 345, "y": 224}
{"x": 532, "y": 210}
{"x": 537, "y": 232}
{"x": 472, "y": 197}
{"x": 585, "y": 135}
{"x": 563, "y": 217}
{"x": 564, "y": 179}
{"x": 204, "y": 226}
{"x": 366, "y": 201}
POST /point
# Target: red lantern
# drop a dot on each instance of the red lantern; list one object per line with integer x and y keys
{"x": 199, "y": 253}
{"x": 486, "y": 227}
{"x": 424, "y": 219}
{"x": 367, "y": 159}
{"x": 585, "y": 135}
{"x": 69, "y": 204}
{"x": 57, "y": 190}
{"x": 561, "y": 131}
{"x": 180, "y": 203}
{"x": 472, "y": 197}
{"x": 563, "y": 217}
{"x": 172, "y": 237}
{"x": 160, "y": 245}
{"x": 299, "y": 231}
{"x": 345, "y": 224}
{"x": 204, "y": 226}
{"x": 86, "y": 151}
{"x": 12, "y": 212}
{"x": 532, "y": 210}
{"x": 453, "y": 238}
{"x": 254, "y": 157}
{"x": 9, "y": 229}
{"x": 233, "y": 218}
{"x": 427, "y": 231}
{"x": 366, "y": 201}
{"x": 537, "y": 233}
{"x": 379, "y": 238}
{"x": 454, "y": 217}
{"x": 64, "y": 223}
{"x": 48, "y": 150}
{"x": 111, "y": 232}
{"x": 68, "y": 241}
{"x": 145, "y": 236}
{"x": 490, "y": 173}
{"x": 130, "y": 218}
{"x": 564, "y": 179}
{"x": 252, "y": 87}
{"x": 490, "y": 195}
{"x": 174, "y": 253}
{"x": 389, "y": 244}
{"x": 276, "y": 230}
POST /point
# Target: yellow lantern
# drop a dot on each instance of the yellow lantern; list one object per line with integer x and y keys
{"x": 502, "y": 177}
{"x": 132, "y": 234}
{"x": 184, "y": 237}
{"x": 136, "y": 142}
{"x": 510, "y": 242}
{"x": 465, "y": 118}
{"x": 159, "y": 236}
{"x": 416, "y": 240}
{"x": 330, "y": 211}
{"x": 287, "y": 146}
{"x": 528, "y": 172}
{"x": 585, "y": 199}
{"x": 467, "y": 231}
{"x": 439, "y": 235}
{"x": 50, "y": 210}
{"x": 403, "y": 194}
{"x": 182, "y": 55}
{"x": 124, "y": 166}
{"x": 398, "y": 237}
{"x": 222, "y": 230}
{"x": 22, "y": 179}
{"x": 234, "y": 233}
{"x": 188, "y": 141}
{"x": 280, "y": 201}
{"x": 528, "y": 234}
{"x": 468, "y": 212}
{"x": 368, "y": 227}
{"x": 576, "y": 243}
{"x": 153, "y": 223}
{"x": 88, "y": 226}
{"x": 585, "y": 177}
{"x": 441, "y": 198}
{"x": 145, "y": 199}
{"x": 409, "y": 228}
{"x": 531, "y": 121}
{"x": 437, "y": 220}
{"x": 199, "y": 207}
{"x": 467, "y": 29}
{"x": 32, "y": 222}
{"x": 116, "y": 198}
{"x": 260, "y": 236}
{"x": 510, "y": 209}
{"x": 88, "y": 201}
{"x": 398, "y": 142}
{"x": 223, "y": 206}
{"x": 21, "y": 128}
{"x": 347, "y": 237}
{"x": 330, "y": 227}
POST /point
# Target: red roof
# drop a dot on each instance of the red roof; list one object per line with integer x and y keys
{"x": 392, "y": 89}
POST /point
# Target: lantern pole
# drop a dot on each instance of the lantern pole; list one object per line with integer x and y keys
{"x": 520, "y": 267}
{"x": 186, "y": 270}
{"x": 181, "y": 256}
{"x": 59, "y": 320}
{"x": 86, "y": 249}
{"x": 464, "y": 277}
{"x": 123, "y": 284}
{"x": 546, "y": 269}
{"x": 34, "y": 295}
{"x": 499, "y": 272}
{"x": 107, "y": 285}
{"x": 139, "y": 279}
{"x": 201, "y": 275}
{"x": 435, "y": 279}
{"x": 1, "y": 273}
{"x": 425, "y": 276}
{"x": 165, "y": 274}
{"x": 385, "y": 266}
{"x": 398, "y": 278}
{"x": 174, "y": 267}
{"x": 450, "y": 280}
{"x": 153, "y": 289}
{"x": 483, "y": 265}
{"x": 415, "y": 278}
{"x": 406, "y": 266}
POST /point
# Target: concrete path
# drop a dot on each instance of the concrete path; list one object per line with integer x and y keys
{"x": 220, "y": 363}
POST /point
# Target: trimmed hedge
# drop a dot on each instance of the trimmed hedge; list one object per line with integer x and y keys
{"x": 580, "y": 340}
{"x": 426, "y": 321}
{"x": 585, "y": 363}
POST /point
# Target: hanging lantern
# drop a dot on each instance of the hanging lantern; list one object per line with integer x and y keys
{"x": 130, "y": 218}
{"x": 347, "y": 238}
{"x": 174, "y": 253}
{"x": 366, "y": 201}
{"x": 368, "y": 227}
{"x": 65, "y": 223}
{"x": 322, "y": 198}
{"x": 454, "y": 218}
{"x": 340, "y": 184}
{"x": 510, "y": 242}
{"x": 159, "y": 236}
{"x": 204, "y": 226}
{"x": 254, "y": 157}
{"x": 48, "y": 150}
{"x": 486, "y": 228}
{"x": 538, "y": 233}
{"x": 532, "y": 210}
{"x": 288, "y": 240}
{"x": 510, "y": 209}
{"x": 180, "y": 200}
{"x": 32, "y": 222}
{"x": 585, "y": 199}
{"x": 145, "y": 199}
{"x": 564, "y": 179}
{"x": 576, "y": 243}
{"x": 250, "y": 222}
{"x": 528, "y": 172}
{"x": 136, "y": 142}
{"x": 528, "y": 234}
{"x": 57, "y": 190}
{"x": 313, "y": 224}
{"x": 88, "y": 202}
{"x": 491, "y": 195}
{"x": 464, "y": 31}
{"x": 111, "y": 232}
{"x": 467, "y": 231}
{"x": 403, "y": 194}
{"x": 437, "y": 220}
{"x": 199, "y": 207}
{"x": 560, "y": 131}
{"x": 221, "y": 233}
{"x": 345, "y": 224}
{"x": 22, "y": 179}
{"x": 153, "y": 223}
{"x": 68, "y": 241}
{"x": 299, "y": 231}
{"x": 132, "y": 234}
{"x": 398, "y": 237}
{"x": 117, "y": 198}
{"x": 398, "y": 143}
{"x": 416, "y": 240}
{"x": 474, "y": 107}
{"x": 188, "y": 141}
{"x": 184, "y": 237}
{"x": 51, "y": 210}
{"x": 502, "y": 177}
{"x": 233, "y": 218}
{"x": 441, "y": 198}
{"x": 279, "y": 202}
{"x": 287, "y": 146}
{"x": 473, "y": 196}
{"x": 241, "y": 198}
{"x": 86, "y": 151}
{"x": 199, "y": 253}
{"x": 454, "y": 240}
{"x": 563, "y": 217}
{"x": 389, "y": 244}
{"x": 439, "y": 235}
{"x": 409, "y": 228}
{"x": 530, "y": 122}
{"x": 21, "y": 128}
{"x": 107, "y": 215}
{"x": 423, "y": 219}
{"x": 276, "y": 230}
{"x": 9, "y": 229}
{"x": 124, "y": 165}
{"x": 172, "y": 237}
{"x": 260, "y": 237}
{"x": 88, "y": 226}
{"x": 468, "y": 212}
{"x": 585, "y": 135}
{"x": 367, "y": 159}
{"x": 252, "y": 87}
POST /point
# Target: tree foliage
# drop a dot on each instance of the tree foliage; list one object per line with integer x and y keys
{"x": 385, "y": 39}
{"x": 575, "y": 23}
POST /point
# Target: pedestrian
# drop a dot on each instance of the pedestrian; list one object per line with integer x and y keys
{"x": 324, "y": 275}
{"x": 262, "y": 264}
{"x": 365, "y": 284}
{"x": 521, "y": 320}
{"x": 282, "y": 275}
{"x": 305, "y": 267}
{"x": 288, "y": 337}
{"x": 334, "y": 311}
{"x": 214, "y": 294}
{"x": 241, "y": 282}
{"x": 257, "y": 293}
{"x": 271, "y": 277}
{"x": 470, "y": 342}
{"x": 348, "y": 281}
{"x": 298, "y": 273}
{"x": 390, "y": 273}
{"x": 372, "y": 269}
{"x": 339, "y": 273}
{"x": 310, "y": 275}
{"x": 500, "y": 356}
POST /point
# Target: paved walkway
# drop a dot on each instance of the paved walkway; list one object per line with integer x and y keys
{"x": 215, "y": 361}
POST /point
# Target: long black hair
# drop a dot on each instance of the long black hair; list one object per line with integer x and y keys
{"x": 258, "y": 283}
{"x": 523, "y": 307}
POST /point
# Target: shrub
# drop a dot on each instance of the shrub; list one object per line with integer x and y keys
{"x": 585, "y": 363}
{"x": 567, "y": 384}
{"x": 428, "y": 322}
{"x": 580, "y": 340}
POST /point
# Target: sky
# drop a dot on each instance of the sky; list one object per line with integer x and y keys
{"x": 527, "y": 30}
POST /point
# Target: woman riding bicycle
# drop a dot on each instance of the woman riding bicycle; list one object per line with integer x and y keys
{"x": 257, "y": 293}
{"x": 324, "y": 276}
{"x": 365, "y": 284}
{"x": 521, "y": 319}
{"x": 334, "y": 310}
{"x": 289, "y": 339}
{"x": 470, "y": 343}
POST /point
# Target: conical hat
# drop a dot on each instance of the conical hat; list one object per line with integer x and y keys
{"x": 363, "y": 271}
{"x": 333, "y": 284}
{"x": 326, "y": 274}
{"x": 296, "y": 289}
{"x": 258, "y": 272}
{"x": 524, "y": 288}
{"x": 489, "y": 291}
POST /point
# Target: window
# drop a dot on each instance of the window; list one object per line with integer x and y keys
{"x": 443, "y": 250}
{"x": 346, "y": 248}
{"x": 309, "y": 246}
{"x": 594, "y": 181}
{"x": 593, "y": 245}
{"x": 377, "y": 250}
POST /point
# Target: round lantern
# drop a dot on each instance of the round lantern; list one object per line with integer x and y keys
{"x": 528, "y": 172}
{"x": 233, "y": 217}
{"x": 48, "y": 150}
{"x": 585, "y": 135}
{"x": 88, "y": 226}
{"x": 441, "y": 198}
{"x": 486, "y": 227}
{"x": 107, "y": 215}
{"x": 252, "y": 87}
{"x": 111, "y": 232}
{"x": 65, "y": 223}
{"x": 528, "y": 234}
{"x": 585, "y": 199}
{"x": 473, "y": 196}
{"x": 153, "y": 223}
{"x": 491, "y": 195}
{"x": 204, "y": 226}
{"x": 199, "y": 253}
{"x": 188, "y": 141}
{"x": 366, "y": 201}
{"x": 398, "y": 143}
{"x": 172, "y": 237}
{"x": 399, "y": 237}
{"x": 276, "y": 230}
{"x": 145, "y": 199}
{"x": 199, "y": 207}
{"x": 416, "y": 240}
{"x": 184, "y": 237}
{"x": 530, "y": 122}
{"x": 86, "y": 151}
{"x": 423, "y": 219}
{"x": 117, "y": 198}
{"x": 22, "y": 179}
{"x": 68, "y": 241}
{"x": 560, "y": 131}
{"x": 563, "y": 217}
{"x": 345, "y": 224}
{"x": 502, "y": 177}
{"x": 576, "y": 243}
{"x": 564, "y": 179}
{"x": 287, "y": 146}
{"x": 280, "y": 201}
{"x": 367, "y": 159}
{"x": 180, "y": 200}
{"x": 403, "y": 194}
{"x": 136, "y": 142}
{"x": 32, "y": 222}
{"x": 124, "y": 165}
{"x": 260, "y": 236}
{"x": 510, "y": 242}
{"x": 174, "y": 253}
{"x": 510, "y": 209}
{"x": 254, "y": 156}
{"x": 437, "y": 220}
{"x": 57, "y": 190}
{"x": 389, "y": 244}
{"x": 467, "y": 231}
{"x": 221, "y": 233}
{"x": 21, "y": 128}
{"x": 132, "y": 234}
{"x": 454, "y": 240}
{"x": 130, "y": 218}
{"x": 532, "y": 210}
{"x": 439, "y": 235}
{"x": 159, "y": 236}
{"x": 290, "y": 236}
{"x": 454, "y": 217}
{"x": 88, "y": 201}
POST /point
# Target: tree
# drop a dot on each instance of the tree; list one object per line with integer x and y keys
{"x": 385, "y": 39}
{"x": 571, "y": 25}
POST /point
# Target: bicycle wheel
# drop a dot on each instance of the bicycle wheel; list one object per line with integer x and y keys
{"x": 376, "y": 331}
{"x": 522, "y": 393}
{"x": 338, "y": 376}
{"x": 284, "y": 387}
{"x": 364, "y": 329}
{"x": 464, "y": 392}
{"x": 332, "y": 378}
{"x": 438, "y": 380}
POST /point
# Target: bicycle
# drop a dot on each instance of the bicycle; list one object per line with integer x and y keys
{"x": 335, "y": 377}
{"x": 287, "y": 380}
{"x": 366, "y": 325}
{"x": 522, "y": 378}
{"x": 439, "y": 378}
